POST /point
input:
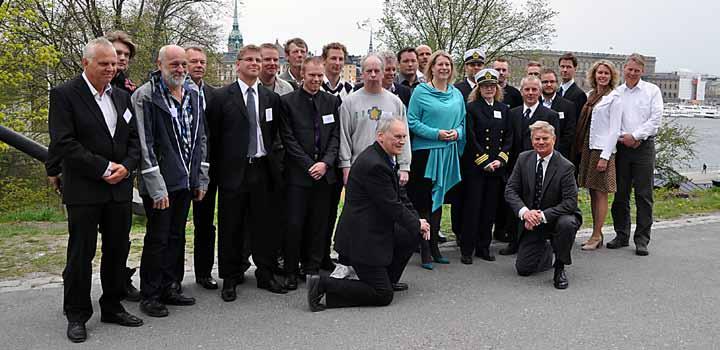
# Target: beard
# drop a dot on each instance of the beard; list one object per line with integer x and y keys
{"x": 172, "y": 80}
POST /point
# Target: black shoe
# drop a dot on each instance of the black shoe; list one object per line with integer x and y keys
{"x": 131, "y": 293}
{"x": 153, "y": 308}
{"x": 291, "y": 283}
{"x": 511, "y": 249}
{"x": 172, "y": 297}
{"x": 315, "y": 293}
{"x": 228, "y": 292}
{"x": 399, "y": 286}
{"x": 176, "y": 286}
{"x": 272, "y": 285}
{"x": 485, "y": 254}
{"x": 617, "y": 243}
{"x": 121, "y": 318}
{"x": 207, "y": 282}
{"x": 76, "y": 332}
{"x": 467, "y": 260}
{"x": 560, "y": 280}
{"x": 641, "y": 250}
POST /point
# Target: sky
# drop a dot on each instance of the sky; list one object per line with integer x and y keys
{"x": 680, "y": 34}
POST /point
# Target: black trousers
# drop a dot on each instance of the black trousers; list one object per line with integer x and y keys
{"x": 533, "y": 253}
{"x": 480, "y": 204}
{"x": 635, "y": 170}
{"x": 419, "y": 191}
{"x": 307, "y": 209}
{"x": 374, "y": 287}
{"x": 113, "y": 219}
{"x": 204, "y": 240}
{"x": 502, "y": 229}
{"x": 336, "y": 193}
{"x": 248, "y": 209}
{"x": 163, "y": 255}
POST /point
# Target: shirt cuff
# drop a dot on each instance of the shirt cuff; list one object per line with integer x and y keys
{"x": 522, "y": 212}
{"x": 544, "y": 221}
{"x": 107, "y": 171}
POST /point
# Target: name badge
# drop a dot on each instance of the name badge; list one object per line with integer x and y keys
{"x": 497, "y": 115}
{"x": 268, "y": 115}
{"x": 127, "y": 115}
{"x": 562, "y": 115}
{"x": 328, "y": 118}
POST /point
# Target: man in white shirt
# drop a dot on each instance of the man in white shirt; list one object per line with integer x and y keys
{"x": 642, "y": 108}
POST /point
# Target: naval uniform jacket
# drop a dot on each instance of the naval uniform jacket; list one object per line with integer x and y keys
{"x": 490, "y": 138}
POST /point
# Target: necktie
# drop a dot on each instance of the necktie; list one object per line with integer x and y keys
{"x": 561, "y": 92}
{"x": 538, "y": 184}
{"x": 527, "y": 113}
{"x": 252, "y": 120}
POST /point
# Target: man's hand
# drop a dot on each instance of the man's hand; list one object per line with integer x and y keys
{"x": 346, "y": 173}
{"x": 629, "y": 141}
{"x": 162, "y": 203}
{"x": 117, "y": 173}
{"x": 318, "y": 170}
{"x": 198, "y": 195}
{"x": 425, "y": 229}
{"x": 404, "y": 177}
{"x": 532, "y": 218}
{"x": 602, "y": 165}
{"x": 56, "y": 183}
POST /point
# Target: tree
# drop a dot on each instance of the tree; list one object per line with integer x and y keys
{"x": 458, "y": 25}
{"x": 674, "y": 145}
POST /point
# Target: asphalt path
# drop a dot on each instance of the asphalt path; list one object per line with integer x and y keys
{"x": 616, "y": 300}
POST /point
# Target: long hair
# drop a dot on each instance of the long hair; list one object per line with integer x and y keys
{"x": 614, "y": 75}
{"x": 475, "y": 93}
{"x": 433, "y": 60}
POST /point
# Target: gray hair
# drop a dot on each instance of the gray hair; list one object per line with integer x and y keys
{"x": 542, "y": 126}
{"x": 92, "y": 45}
{"x": 369, "y": 56}
{"x": 384, "y": 123}
{"x": 529, "y": 79}
{"x": 388, "y": 57}
{"x": 197, "y": 48}
{"x": 161, "y": 53}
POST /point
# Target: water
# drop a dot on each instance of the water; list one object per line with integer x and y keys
{"x": 707, "y": 142}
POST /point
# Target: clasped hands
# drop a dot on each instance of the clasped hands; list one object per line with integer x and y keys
{"x": 493, "y": 166}
{"x": 532, "y": 218}
{"x": 425, "y": 229}
{"x": 629, "y": 141}
{"x": 318, "y": 170}
{"x": 447, "y": 135}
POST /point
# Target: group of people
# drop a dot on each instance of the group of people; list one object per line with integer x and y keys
{"x": 276, "y": 151}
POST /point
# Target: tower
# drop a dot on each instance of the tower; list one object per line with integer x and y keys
{"x": 235, "y": 39}
{"x": 370, "y": 47}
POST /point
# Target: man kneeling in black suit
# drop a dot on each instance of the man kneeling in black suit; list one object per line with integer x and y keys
{"x": 543, "y": 193}
{"x": 378, "y": 228}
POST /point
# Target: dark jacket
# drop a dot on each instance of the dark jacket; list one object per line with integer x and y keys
{"x": 374, "y": 212}
{"x": 521, "y": 132}
{"x": 162, "y": 169}
{"x": 82, "y": 145}
{"x": 567, "y": 119}
{"x": 464, "y": 88}
{"x": 301, "y": 111}
{"x": 490, "y": 138}
{"x": 512, "y": 97}
{"x": 577, "y": 96}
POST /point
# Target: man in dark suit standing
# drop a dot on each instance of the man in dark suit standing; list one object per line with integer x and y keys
{"x": 569, "y": 89}
{"x": 565, "y": 109}
{"x": 543, "y": 194}
{"x": 310, "y": 132}
{"x": 521, "y": 118}
{"x": 378, "y": 229}
{"x": 243, "y": 122}
{"x": 93, "y": 132}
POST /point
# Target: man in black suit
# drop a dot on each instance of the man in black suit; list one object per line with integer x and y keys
{"x": 569, "y": 89}
{"x": 565, "y": 109}
{"x": 244, "y": 127}
{"x": 378, "y": 229}
{"x": 543, "y": 194}
{"x": 521, "y": 118}
{"x": 310, "y": 132}
{"x": 474, "y": 61}
{"x": 93, "y": 132}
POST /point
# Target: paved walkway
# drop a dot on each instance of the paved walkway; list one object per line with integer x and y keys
{"x": 616, "y": 300}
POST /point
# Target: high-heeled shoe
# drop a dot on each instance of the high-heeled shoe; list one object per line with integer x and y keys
{"x": 427, "y": 265}
{"x": 593, "y": 244}
{"x": 441, "y": 260}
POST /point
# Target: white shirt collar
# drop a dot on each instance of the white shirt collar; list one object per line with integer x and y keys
{"x": 639, "y": 85}
{"x": 532, "y": 108}
{"x": 244, "y": 87}
{"x": 566, "y": 86}
{"x": 93, "y": 91}
{"x": 551, "y": 99}
{"x": 472, "y": 83}
{"x": 328, "y": 82}
{"x": 546, "y": 159}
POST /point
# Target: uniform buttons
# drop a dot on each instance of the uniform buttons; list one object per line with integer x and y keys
{"x": 487, "y": 139}
{"x": 487, "y": 130}
{"x": 487, "y": 147}
{"x": 502, "y": 131}
{"x": 477, "y": 155}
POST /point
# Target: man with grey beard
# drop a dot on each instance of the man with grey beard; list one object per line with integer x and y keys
{"x": 173, "y": 172}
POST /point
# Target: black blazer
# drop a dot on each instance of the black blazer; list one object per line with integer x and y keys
{"x": 577, "y": 96}
{"x": 488, "y": 138}
{"x": 374, "y": 212}
{"x": 521, "y": 132}
{"x": 464, "y": 88}
{"x": 229, "y": 127}
{"x": 512, "y": 97}
{"x": 81, "y": 142}
{"x": 559, "y": 190}
{"x": 300, "y": 113}
{"x": 567, "y": 117}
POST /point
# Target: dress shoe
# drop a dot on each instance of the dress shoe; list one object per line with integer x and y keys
{"x": 617, "y": 243}
{"x": 121, "y": 318}
{"x": 427, "y": 265}
{"x": 207, "y": 282}
{"x": 76, "y": 332}
{"x": 399, "y": 286}
{"x": 291, "y": 282}
{"x": 315, "y": 293}
{"x": 466, "y": 259}
{"x": 228, "y": 292}
{"x": 176, "y": 286}
{"x": 641, "y": 250}
{"x": 441, "y": 260}
{"x": 485, "y": 254}
{"x": 131, "y": 293}
{"x": 272, "y": 285}
{"x": 560, "y": 279}
{"x": 172, "y": 297}
{"x": 153, "y": 308}
{"x": 511, "y": 249}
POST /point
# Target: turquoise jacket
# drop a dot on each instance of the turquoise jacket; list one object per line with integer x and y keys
{"x": 429, "y": 112}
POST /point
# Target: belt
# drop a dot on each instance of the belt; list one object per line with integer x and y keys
{"x": 253, "y": 160}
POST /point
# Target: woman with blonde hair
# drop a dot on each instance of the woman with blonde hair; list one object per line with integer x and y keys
{"x": 436, "y": 117}
{"x": 598, "y": 129}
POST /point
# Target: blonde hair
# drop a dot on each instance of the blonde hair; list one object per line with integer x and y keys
{"x": 475, "y": 93}
{"x": 614, "y": 75}
{"x": 542, "y": 126}
{"x": 433, "y": 60}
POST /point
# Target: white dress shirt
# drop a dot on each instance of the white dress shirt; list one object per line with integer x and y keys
{"x": 642, "y": 109}
{"x": 546, "y": 161}
{"x": 532, "y": 108}
{"x": 261, "y": 152}
{"x": 472, "y": 83}
{"x": 548, "y": 102}
{"x": 107, "y": 108}
{"x": 566, "y": 86}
